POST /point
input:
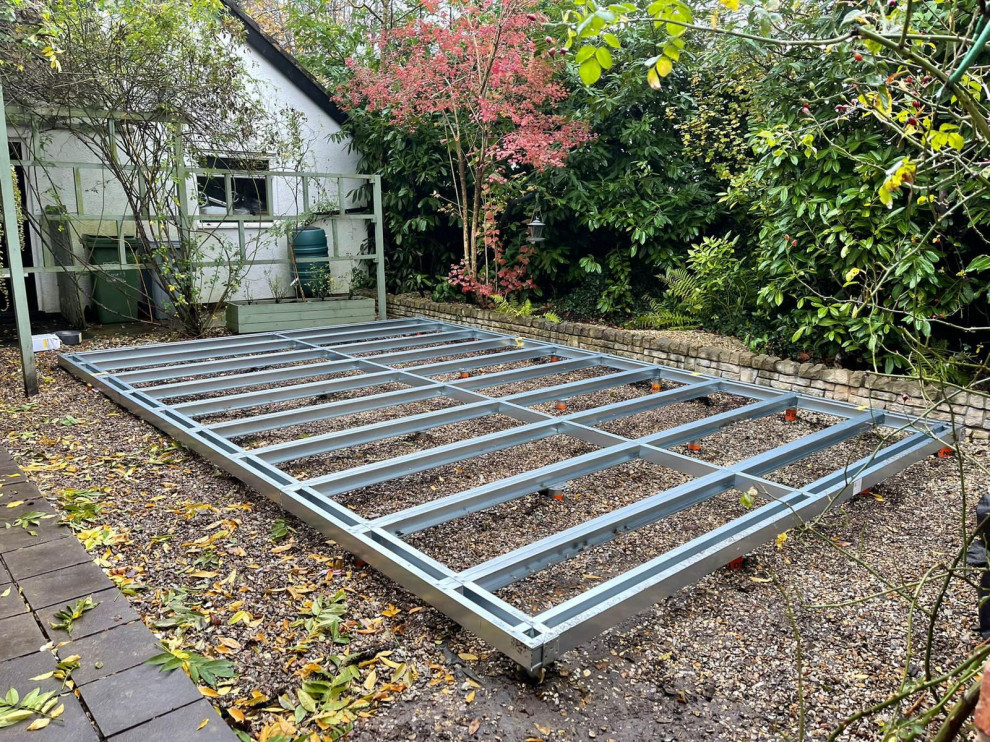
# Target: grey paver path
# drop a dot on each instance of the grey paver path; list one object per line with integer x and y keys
{"x": 118, "y": 697}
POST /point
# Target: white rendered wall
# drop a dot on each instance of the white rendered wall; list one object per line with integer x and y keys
{"x": 102, "y": 196}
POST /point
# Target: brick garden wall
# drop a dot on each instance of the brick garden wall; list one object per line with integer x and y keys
{"x": 902, "y": 394}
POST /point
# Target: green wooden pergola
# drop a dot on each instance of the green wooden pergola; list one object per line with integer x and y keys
{"x": 17, "y": 274}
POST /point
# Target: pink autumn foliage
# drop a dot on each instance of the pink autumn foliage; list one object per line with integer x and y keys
{"x": 445, "y": 65}
{"x": 471, "y": 70}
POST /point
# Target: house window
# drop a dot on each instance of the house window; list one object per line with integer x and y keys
{"x": 249, "y": 194}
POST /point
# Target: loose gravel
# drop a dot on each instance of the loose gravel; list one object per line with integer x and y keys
{"x": 714, "y": 661}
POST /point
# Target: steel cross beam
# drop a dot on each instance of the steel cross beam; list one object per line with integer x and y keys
{"x": 232, "y": 375}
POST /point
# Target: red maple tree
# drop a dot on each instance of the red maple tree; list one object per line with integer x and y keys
{"x": 470, "y": 70}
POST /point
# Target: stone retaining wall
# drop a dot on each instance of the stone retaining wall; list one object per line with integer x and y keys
{"x": 902, "y": 394}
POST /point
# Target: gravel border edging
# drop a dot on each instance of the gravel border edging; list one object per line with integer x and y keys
{"x": 895, "y": 393}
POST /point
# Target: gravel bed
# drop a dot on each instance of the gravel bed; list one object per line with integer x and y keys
{"x": 493, "y": 353}
{"x": 715, "y": 661}
{"x": 560, "y": 582}
{"x": 344, "y": 422}
{"x": 268, "y": 408}
{"x": 256, "y": 388}
{"x": 442, "y": 481}
{"x": 481, "y": 536}
{"x": 388, "y": 448}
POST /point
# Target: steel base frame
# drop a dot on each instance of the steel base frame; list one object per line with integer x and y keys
{"x": 228, "y": 374}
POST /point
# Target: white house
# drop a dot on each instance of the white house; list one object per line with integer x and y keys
{"x": 281, "y": 83}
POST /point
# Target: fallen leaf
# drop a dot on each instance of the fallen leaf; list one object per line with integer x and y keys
{"x": 467, "y": 656}
{"x": 37, "y": 724}
{"x": 202, "y": 724}
{"x": 470, "y": 697}
{"x": 474, "y": 726}
{"x": 236, "y": 714}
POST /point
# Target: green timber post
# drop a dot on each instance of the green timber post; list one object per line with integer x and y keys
{"x": 12, "y": 233}
{"x": 379, "y": 246}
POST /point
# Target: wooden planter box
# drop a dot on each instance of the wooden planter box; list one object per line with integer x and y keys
{"x": 290, "y": 314}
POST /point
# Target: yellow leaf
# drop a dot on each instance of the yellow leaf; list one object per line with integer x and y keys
{"x": 57, "y": 711}
{"x": 5, "y": 593}
{"x": 236, "y": 714}
{"x": 470, "y": 697}
{"x": 370, "y": 681}
{"x": 202, "y": 724}
{"x": 664, "y": 67}
{"x": 760, "y": 579}
{"x": 15, "y": 503}
{"x": 731, "y": 4}
{"x": 203, "y": 573}
{"x": 242, "y": 616}
{"x": 467, "y": 656}
{"x": 653, "y": 78}
{"x": 391, "y": 611}
{"x": 37, "y": 724}
{"x": 208, "y": 692}
{"x": 781, "y": 538}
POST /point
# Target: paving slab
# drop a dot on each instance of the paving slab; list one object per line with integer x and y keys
{"x": 71, "y": 726}
{"x": 21, "y": 673}
{"x": 13, "y": 537}
{"x": 182, "y": 724}
{"x": 114, "y": 651}
{"x": 112, "y": 609}
{"x": 19, "y": 636}
{"x": 45, "y": 571}
{"x": 46, "y": 557}
{"x": 18, "y": 489}
{"x": 11, "y": 603}
{"x": 64, "y": 585}
{"x": 137, "y": 695}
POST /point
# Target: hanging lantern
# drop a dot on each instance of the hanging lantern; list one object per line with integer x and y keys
{"x": 535, "y": 227}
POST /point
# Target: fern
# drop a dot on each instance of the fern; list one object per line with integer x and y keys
{"x": 681, "y": 284}
{"x": 661, "y": 318}
{"x": 517, "y": 309}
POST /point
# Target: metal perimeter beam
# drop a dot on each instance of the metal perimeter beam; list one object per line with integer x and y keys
{"x": 229, "y": 376}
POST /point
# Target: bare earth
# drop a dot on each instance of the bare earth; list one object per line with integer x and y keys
{"x": 717, "y": 661}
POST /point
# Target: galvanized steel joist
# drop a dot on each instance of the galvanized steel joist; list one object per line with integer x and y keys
{"x": 179, "y": 387}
